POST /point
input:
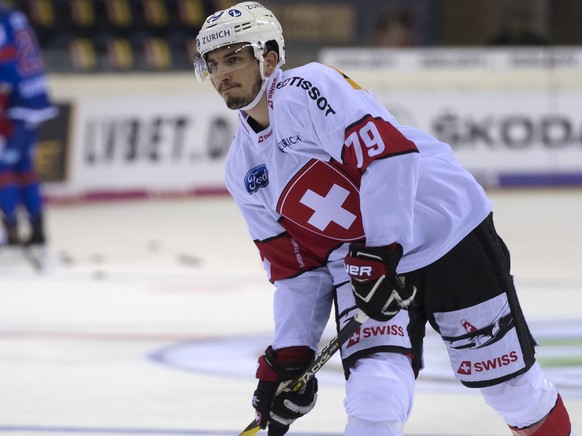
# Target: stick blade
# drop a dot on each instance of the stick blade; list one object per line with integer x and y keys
{"x": 251, "y": 430}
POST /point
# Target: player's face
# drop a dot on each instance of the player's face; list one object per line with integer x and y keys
{"x": 234, "y": 72}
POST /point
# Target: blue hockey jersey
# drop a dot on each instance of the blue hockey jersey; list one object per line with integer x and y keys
{"x": 22, "y": 70}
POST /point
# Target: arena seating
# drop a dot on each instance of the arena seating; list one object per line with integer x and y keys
{"x": 117, "y": 35}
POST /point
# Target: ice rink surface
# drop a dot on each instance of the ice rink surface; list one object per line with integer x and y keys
{"x": 150, "y": 315}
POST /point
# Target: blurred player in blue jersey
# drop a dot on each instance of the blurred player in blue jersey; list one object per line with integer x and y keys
{"x": 27, "y": 106}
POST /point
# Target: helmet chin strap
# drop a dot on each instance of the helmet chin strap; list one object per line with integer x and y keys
{"x": 259, "y": 95}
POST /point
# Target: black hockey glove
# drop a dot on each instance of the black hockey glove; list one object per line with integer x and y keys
{"x": 378, "y": 290}
{"x": 279, "y": 411}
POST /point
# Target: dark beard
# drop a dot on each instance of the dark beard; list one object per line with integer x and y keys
{"x": 239, "y": 102}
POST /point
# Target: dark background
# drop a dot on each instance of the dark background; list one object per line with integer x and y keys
{"x": 93, "y": 36}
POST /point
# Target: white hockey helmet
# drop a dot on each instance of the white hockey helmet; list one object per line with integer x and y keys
{"x": 248, "y": 22}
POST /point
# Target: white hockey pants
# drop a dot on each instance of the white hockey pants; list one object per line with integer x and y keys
{"x": 379, "y": 395}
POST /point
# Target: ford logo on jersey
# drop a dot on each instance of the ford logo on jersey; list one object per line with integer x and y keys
{"x": 257, "y": 178}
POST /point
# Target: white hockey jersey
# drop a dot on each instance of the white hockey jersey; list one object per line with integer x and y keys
{"x": 334, "y": 167}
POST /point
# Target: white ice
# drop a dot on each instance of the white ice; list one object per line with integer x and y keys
{"x": 150, "y": 315}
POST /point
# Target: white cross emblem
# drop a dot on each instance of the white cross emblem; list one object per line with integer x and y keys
{"x": 465, "y": 368}
{"x": 329, "y": 208}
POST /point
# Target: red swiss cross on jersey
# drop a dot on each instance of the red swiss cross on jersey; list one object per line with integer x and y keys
{"x": 324, "y": 200}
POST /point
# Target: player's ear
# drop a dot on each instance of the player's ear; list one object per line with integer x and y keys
{"x": 270, "y": 61}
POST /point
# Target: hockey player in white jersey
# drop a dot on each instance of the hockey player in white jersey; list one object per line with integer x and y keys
{"x": 348, "y": 208}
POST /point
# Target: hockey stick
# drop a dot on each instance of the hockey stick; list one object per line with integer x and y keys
{"x": 325, "y": 354}
{"x": 15, "y": 240}
{"x": 35, "y": 263}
